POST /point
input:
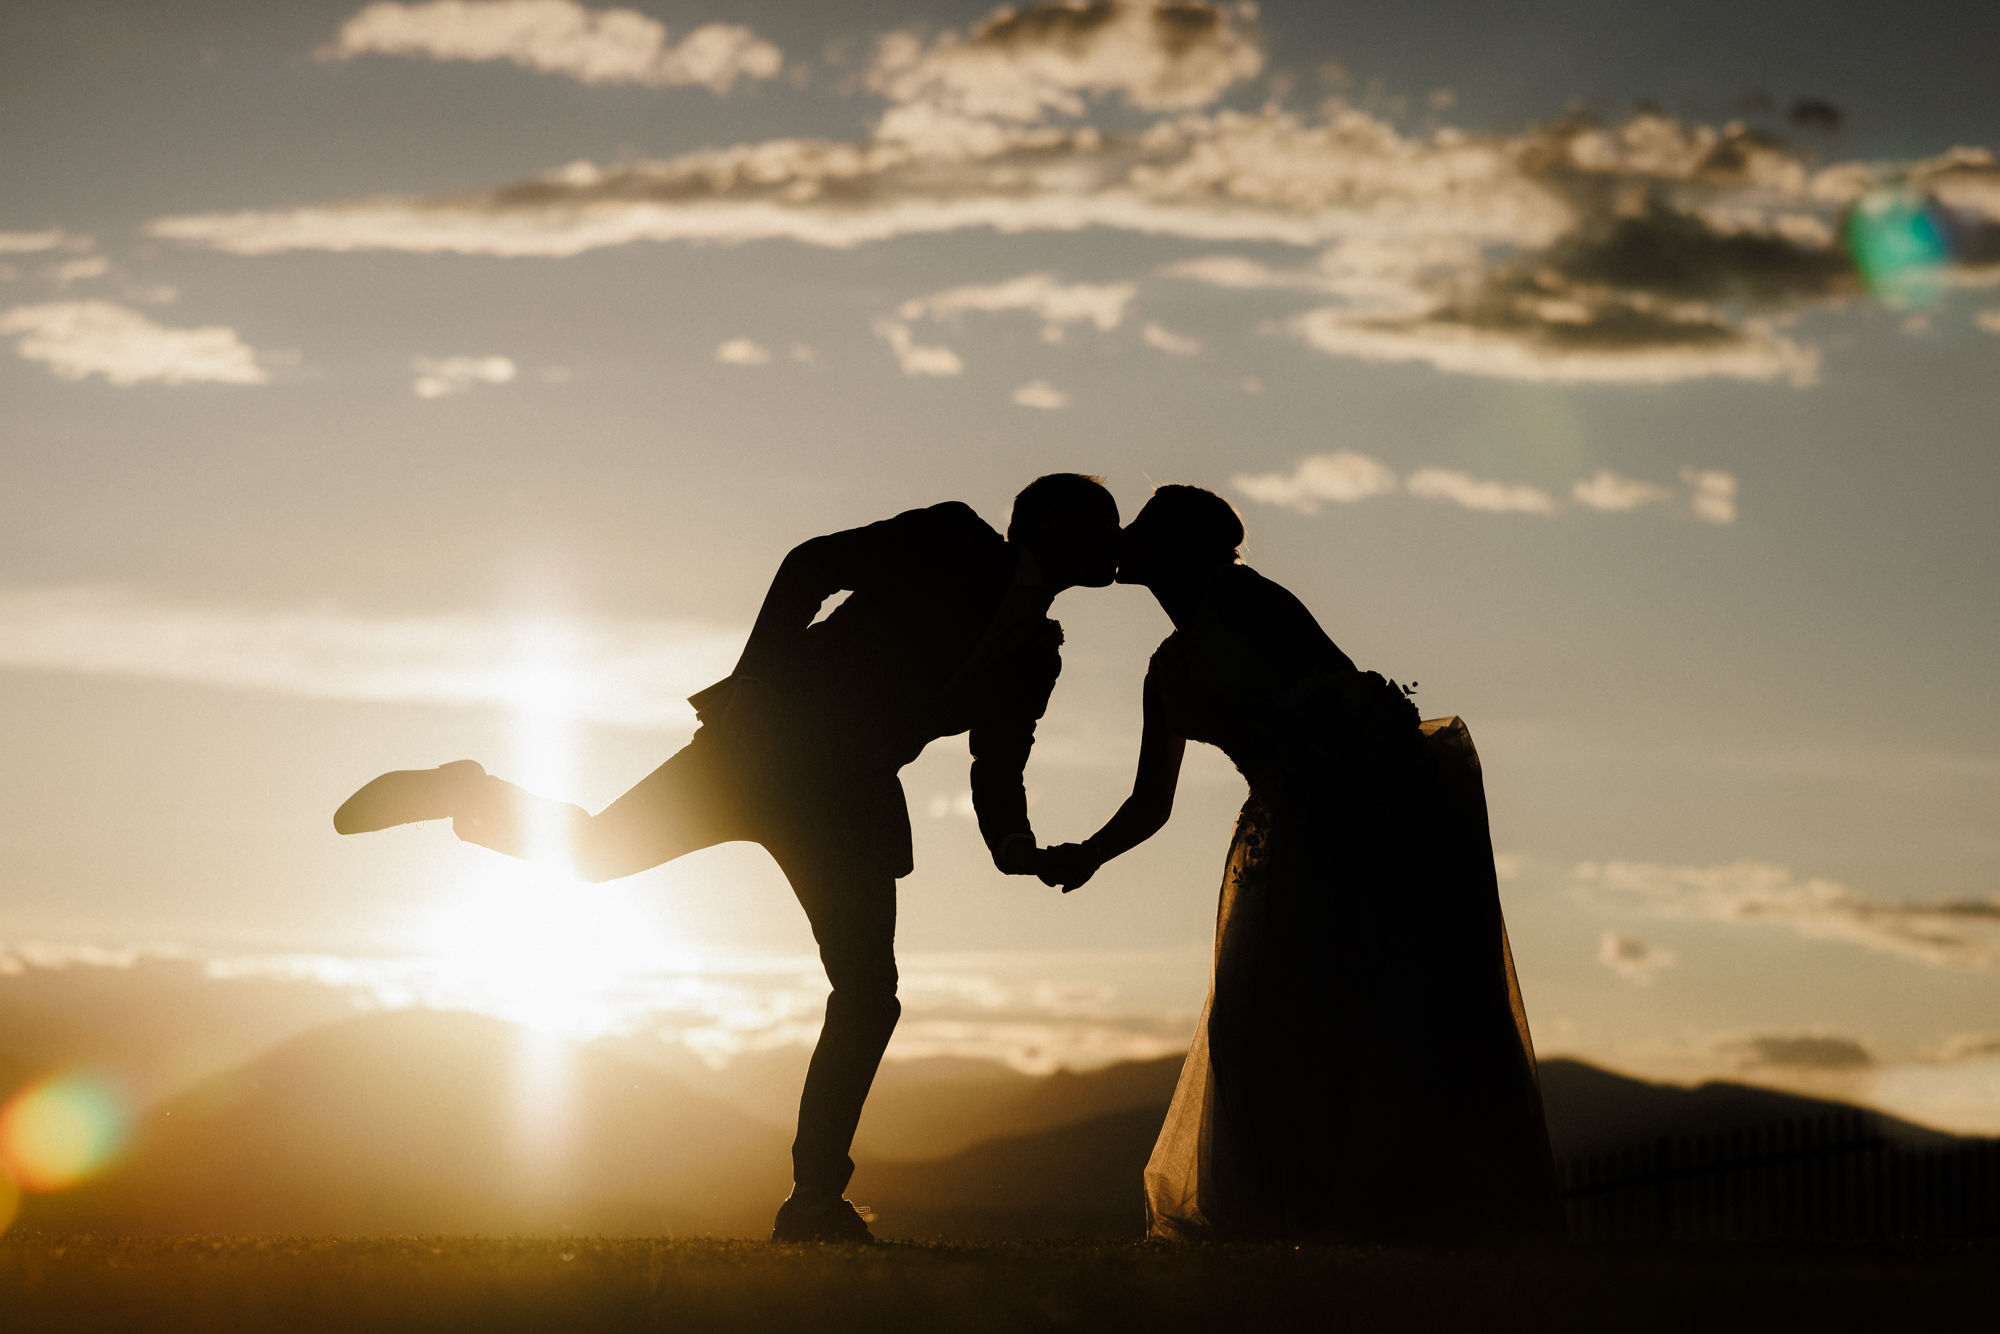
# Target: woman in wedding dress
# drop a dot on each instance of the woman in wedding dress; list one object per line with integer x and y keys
{"x": 1363, "y": 1067}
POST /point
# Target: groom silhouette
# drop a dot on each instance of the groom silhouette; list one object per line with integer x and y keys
{"x": 945, "y": 630}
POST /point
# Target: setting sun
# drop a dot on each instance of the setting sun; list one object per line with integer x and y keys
{"x": 527, "y": 943}
{"x": 527, "y": 940}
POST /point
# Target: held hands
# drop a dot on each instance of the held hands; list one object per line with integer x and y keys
{"x": 1066, "y": 866}
{"x": 1016, "y": 855}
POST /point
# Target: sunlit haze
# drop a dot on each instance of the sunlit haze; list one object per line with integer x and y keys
{"x": 380, "y": 389}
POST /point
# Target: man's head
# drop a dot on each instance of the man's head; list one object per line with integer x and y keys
{"x": 1069, "y": 523}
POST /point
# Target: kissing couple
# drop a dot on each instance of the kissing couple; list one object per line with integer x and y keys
{"x": 1362, "y": 1068}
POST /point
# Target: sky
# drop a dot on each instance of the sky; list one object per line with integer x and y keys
{"x": 383, "y": 384}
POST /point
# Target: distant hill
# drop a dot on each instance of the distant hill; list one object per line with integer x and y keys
{"x": 912, "y": 1117}
{"x": 930, "y": 1107}
{"x": 163, "y": 1025}
{"x": 1591, "y": 1110}
{"x": 428, "y": 1122}
{"x": 419, "y": 1121}
{"x": 1076, "y": 1180}
{"x": 1081, "y": 1175}
{"x": 15, "y": 1074}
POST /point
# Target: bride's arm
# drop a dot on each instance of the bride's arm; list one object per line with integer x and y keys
{"x": 1140, "y": 816}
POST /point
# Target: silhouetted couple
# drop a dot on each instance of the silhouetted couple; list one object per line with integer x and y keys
{"x": 1362, "y": 1067}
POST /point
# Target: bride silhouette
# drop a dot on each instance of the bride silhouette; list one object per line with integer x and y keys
{"x": 1363, "y": 1067}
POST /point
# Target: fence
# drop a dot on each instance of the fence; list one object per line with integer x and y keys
{"x": 1828, "y": 1177}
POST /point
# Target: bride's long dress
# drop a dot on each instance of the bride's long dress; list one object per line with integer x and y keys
{"x": 1363, "y": 1066}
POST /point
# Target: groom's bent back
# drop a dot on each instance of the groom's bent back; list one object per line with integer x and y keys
{"x": 944, "y": 631}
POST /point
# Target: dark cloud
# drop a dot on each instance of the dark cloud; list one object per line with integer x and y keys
{"x": 1044, "y": 25}
{"x": 1802, "y": 1052}
{"x": 1815, "y": 114}
{"x": 1658, "y": 250}
{"x": 1022, "y": 65}
{"x": 1637, "y": 961}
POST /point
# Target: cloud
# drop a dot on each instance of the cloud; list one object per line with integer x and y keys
{"x": 1346, "y": 476}
{"x": 916, "y": 358}
{"x": 1040, "y": 394}
{"x": 945, "y": 805}
{"x": 1633, "y": 959}
{"x": 1478, "y": 493}
{"x": 1342, "y": 477}
{"x": 1268, "y": 176}
{"x": 31, "y": 243}
{"x": 1606, "y": 490}
{"x": 743, "y": 352}
{"x": 1970, "y": 1047}
{"x": 1802, "y": 1051}
{"x": 17, "y": 957}
{"x": 1570, "y": 345}
{"x": 1637, "y": 290}
{"x": 1235, "y": 271}
{"x": 78, "y": 339}
{"x": 628, "y": 673}
{"x": 1031, "y": 1047}
{"x": 1959, "y": 934}
{"x": 1169, "y": 342}
{"x": 1035, "y": 1010}
{"x": 559, "y": 37}
{"x": 1649, "y": 251}
{"x": 78, "y": 270}
{"x": 1714, "y": 499}
{"x": 447, "y": 377}
{"x": 1053, "y": 301}
{"x": 1024, "y": 65}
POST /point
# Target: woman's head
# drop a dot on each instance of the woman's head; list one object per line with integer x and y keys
{"x": 1181, "y": 530}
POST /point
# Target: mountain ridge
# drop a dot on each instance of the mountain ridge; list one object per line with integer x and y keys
{"x": 436, "y": 1122}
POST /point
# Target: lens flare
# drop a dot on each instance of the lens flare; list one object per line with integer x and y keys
{"x": 1901, "y": 246}
{"x": 62, "y": 1131}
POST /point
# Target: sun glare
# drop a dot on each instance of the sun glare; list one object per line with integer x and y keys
{"x": 528, "y": 941}
{"x": 532, "y": 945}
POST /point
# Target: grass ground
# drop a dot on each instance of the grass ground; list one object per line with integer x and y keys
{"x": 307, "y": 1285}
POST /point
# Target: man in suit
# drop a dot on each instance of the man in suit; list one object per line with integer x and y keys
{"x": 945, "y": 630}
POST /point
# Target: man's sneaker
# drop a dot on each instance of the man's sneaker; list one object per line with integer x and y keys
{"x": 405, "y": 797}
{"x": 836, "y": 1221}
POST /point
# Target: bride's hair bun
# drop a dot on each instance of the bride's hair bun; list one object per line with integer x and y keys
{"x": 1207, "y": 526}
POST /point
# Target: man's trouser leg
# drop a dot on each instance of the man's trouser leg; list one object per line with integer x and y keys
{"x": 852, "y": 909}
{"x": 690, "y": 802}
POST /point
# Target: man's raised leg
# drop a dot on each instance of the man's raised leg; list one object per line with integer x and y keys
{"x": 687, "y": 803}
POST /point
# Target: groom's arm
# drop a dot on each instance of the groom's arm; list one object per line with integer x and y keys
{"x": 1002, "y": 736}
{"x": 811, "y": 572}
{"x": 816, "y": 569}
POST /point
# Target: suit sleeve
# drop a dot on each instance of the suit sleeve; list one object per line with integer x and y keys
{"x": 817, "y": 569}
{"x": 1013, "y": 700}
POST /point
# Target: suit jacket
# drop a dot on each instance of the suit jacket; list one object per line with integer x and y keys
{"x": 936, "y": 637}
